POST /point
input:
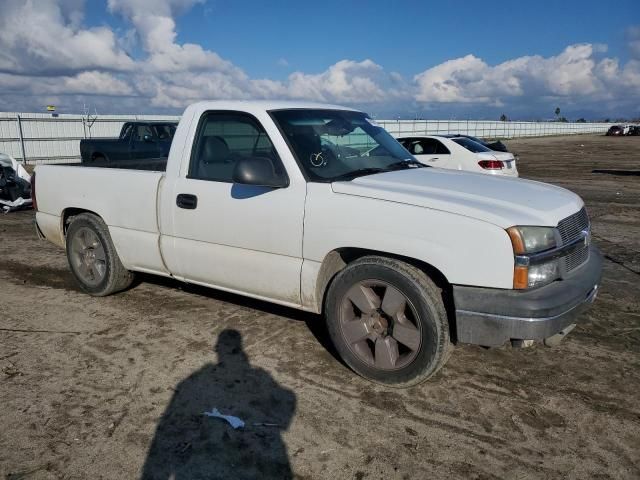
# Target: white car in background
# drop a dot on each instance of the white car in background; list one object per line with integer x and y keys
{"x": 459, "y": 153}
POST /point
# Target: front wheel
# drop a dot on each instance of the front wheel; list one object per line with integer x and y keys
{"x": 387, "y": 321}
{"x": 92, "y": 257}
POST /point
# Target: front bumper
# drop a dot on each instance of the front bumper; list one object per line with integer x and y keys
{"x": 490, "y": 317}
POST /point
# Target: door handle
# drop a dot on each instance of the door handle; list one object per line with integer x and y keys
{"x": 433, "y": 159}
{"x": 187, "y": 201}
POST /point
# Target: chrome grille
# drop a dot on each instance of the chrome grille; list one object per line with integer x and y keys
{"x": 570, "y": 229}
{"x": 571, "y": 226}
{"x": 576, "y": 258}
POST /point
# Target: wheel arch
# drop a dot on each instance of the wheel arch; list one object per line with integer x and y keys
{"x": 336, "y": 260}
{"x": 97, "y": 154}
{"x": 69, "y": 213}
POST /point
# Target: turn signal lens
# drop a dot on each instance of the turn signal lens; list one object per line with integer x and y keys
{"x": 520, "y": 277}
{"x": 491, "y": 164}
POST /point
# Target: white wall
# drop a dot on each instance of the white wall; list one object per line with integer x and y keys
{"x": 490, "y": 129}
{"x": 48, "y": 139}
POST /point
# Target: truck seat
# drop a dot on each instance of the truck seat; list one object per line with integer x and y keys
{"x": 213, "y": 159}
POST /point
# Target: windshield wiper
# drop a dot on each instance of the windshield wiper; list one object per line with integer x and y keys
{"x": 358, "y": 173}
{"x": 408, "y": 163}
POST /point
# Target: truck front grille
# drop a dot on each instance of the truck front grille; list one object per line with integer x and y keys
{"x": 570, "y": 229}
{"x": 576, "y": 258}
{"x": 571, "y": 226}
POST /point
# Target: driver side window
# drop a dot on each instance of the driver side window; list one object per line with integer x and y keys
{"x": 224, "y": 138}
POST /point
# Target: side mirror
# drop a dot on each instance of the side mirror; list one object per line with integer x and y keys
{"x": 147, "y": 138}
{"x": 258, "y": 171}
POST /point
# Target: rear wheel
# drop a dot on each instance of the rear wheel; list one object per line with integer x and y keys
{"x": 388, "y": 321}
{"x": 92, "y": 257}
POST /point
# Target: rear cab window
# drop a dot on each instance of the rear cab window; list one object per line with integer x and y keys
{"x": 164, "y": 131}
{"x": 141, "y": 131}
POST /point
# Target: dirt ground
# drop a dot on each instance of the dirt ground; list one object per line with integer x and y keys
{"x": 115, "y": 388}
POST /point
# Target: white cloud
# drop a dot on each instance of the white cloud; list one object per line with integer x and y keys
{"x": 580, "y": 78}
{"x": 91, "y": 82}
{"x": 345, "y": 81}
{"x": 84, "y": 83}
{"x": 156, "y": 27}
{"x": 45, "y": 36}
{"x": 46, "y": 51}
{"x": 468, "y": 79}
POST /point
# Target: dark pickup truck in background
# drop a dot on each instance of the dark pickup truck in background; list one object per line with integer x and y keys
{"x": 137, "y": 140}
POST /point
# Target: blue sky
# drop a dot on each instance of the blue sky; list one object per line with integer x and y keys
{"x": 399, "y": 35}
{"x": 403, "y": 36}
{"x": 403, "y": 58}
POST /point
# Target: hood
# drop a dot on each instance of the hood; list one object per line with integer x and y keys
{"x": 500, "y": 200}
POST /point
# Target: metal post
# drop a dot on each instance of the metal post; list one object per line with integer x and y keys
{"x": 21, "y": 137}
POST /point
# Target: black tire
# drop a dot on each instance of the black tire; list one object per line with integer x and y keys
{"x": 113, "y": 276}
{"x": 424, "y": 300}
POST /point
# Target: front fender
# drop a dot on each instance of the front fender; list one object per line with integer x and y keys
{"x": 467, "y": 251}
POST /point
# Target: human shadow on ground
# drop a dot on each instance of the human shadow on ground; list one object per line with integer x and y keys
{"x": 189, "y": 445}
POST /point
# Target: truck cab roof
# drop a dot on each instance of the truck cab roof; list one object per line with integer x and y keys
{"x": 264, "y": 105}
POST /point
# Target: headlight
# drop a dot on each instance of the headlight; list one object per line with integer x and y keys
{"x": 527, "y": 241}
{"x": 542, "y": 273}
{"x": 532, "y": 239}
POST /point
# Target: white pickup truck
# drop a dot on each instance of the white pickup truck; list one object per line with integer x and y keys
{"x": 318, "y": 208}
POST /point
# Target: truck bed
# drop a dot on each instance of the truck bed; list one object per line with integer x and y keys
{"x": 124, "y": 198}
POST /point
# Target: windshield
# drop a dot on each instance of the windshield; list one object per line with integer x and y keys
{"x": 340, "y": 145}
{"x": 470, "y": 145}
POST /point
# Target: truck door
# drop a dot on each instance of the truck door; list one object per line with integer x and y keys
{"x": 144, "y": 144}
{"x": 235, "y": 237}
